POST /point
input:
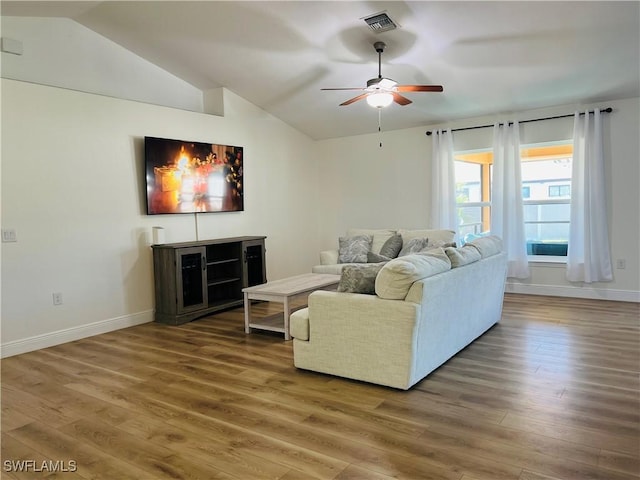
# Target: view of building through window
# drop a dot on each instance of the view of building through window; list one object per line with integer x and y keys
{"x": 546, "y": 193}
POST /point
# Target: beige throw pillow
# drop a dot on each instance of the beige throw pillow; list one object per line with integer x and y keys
{"x": 433, "y": 235}
{"x": 396, "y": 277}
{"x": 463, "y": 255}
{"x": 487, "y": 246}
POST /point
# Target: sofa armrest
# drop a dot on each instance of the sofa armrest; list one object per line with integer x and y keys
{"x": 360, "y": 336}
{"x": 329, "y": 257}
{"x": 299, "y": 324}
{"x": 330, "y": 310}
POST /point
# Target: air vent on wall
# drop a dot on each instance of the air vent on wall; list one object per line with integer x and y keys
{"x": 380, "y": 22}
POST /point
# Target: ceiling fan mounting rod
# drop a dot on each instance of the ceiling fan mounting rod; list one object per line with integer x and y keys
{"x": 379, "y": 46}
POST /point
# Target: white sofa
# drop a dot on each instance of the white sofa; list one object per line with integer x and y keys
{"x": 398, "y": 340}
{"x": 329, "y": 258}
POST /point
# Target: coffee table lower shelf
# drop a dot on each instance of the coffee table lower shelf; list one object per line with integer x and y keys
{"x": 272, "y": 323}
{"x": 289, "y": 292}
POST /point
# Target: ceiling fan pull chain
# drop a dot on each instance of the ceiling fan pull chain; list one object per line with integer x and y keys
{"x": 380, "y": 125}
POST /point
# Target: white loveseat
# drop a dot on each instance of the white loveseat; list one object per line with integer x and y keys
{"x": 427, "y": 307}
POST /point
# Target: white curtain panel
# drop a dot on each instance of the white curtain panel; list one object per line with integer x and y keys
{"x": 443, "y": 184}
{"x": 507, "y": 213}
{"x": 588, "y": 255}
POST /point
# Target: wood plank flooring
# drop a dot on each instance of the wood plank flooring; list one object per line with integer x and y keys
{"x": 551, "y": 392}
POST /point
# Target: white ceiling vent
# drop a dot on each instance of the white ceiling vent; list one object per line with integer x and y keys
{"x": 380, "y": 22}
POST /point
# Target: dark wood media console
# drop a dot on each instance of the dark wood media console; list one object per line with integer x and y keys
{"x": 193, "y": 279}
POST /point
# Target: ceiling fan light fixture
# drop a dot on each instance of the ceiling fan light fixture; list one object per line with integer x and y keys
{"x": 380, "y": 99}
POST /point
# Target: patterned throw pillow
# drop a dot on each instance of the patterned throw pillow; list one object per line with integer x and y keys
{"x": 359, "y": 279}
{"x": 413, "y": 246}
{"x": 391, "y": 248}
{"x": 354, "y": 249}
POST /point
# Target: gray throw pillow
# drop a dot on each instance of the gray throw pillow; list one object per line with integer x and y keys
{"x": 354, "y": 249}
{"x": 413, "y": 246}
{"x": 391, "y": 248}
{"x": 375, "y": 258}
{"x": 359, "y": 278}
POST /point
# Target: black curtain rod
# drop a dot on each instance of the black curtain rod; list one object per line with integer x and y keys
{"x": 606, "y": 110}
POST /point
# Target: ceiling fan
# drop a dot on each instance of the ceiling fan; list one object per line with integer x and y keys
{"x": 381, "y": 92}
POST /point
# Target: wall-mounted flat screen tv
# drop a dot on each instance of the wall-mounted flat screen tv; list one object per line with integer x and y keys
{"x": 192, "y": 177}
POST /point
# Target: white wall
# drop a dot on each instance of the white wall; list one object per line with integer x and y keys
{"x": 62, "y": 53}
{"x": 73, "y": 186}
{"x": 368, "y": 186}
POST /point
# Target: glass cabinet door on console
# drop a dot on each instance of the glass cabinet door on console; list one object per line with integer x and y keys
{"x": 255, "y": 269}
{"x": 192, "y": 281}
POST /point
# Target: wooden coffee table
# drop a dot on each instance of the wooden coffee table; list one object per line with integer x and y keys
{"x": 282, "y": 291}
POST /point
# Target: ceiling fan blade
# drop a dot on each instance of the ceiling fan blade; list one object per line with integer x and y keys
{"x": 354, "y": 99}
{"x": 354, "y": 88}
{"x": 419, "y": 88}
{"x": 400, "y": 100}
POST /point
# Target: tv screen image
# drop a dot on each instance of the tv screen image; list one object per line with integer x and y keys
{"x": 192, "y": 177}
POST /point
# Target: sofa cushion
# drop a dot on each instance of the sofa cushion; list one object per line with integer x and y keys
{"x": 463, "y": 255}
{"x": 487, "y": 246}
{"x": 434, "y": 235}
{"x": 354, "y": 249}
{"x": 413, "y": 245}
{"x": 335, "y": 269}
{"x": 396, "y": 277}
{"x": 392, "y": 246}
{"x": 380, "y": 236}
{"x": 359, "y": 278}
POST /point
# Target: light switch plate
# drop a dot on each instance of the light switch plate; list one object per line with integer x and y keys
{"x": 9, "y": 235}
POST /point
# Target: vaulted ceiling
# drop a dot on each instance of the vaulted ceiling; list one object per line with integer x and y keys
{"x": 490, "y": 57}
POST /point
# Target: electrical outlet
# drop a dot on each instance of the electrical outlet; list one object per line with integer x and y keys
{"x": 57, "y": 298}
{"x": 9, "y": 235}
{"x": 621, "y": 264}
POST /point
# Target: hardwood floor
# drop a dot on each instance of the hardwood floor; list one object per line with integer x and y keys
{"x": 551, "y": 392}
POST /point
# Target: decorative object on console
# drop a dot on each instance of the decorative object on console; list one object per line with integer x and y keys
{"x": 158, "y": 235}
{"x": 192, "y": 177}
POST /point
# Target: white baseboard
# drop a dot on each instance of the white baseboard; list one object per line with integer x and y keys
{"x": 575, "y": 292}
{"x": 75, "y": 333}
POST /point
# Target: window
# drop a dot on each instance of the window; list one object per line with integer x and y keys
{"x": 473, "y": 173}
{"x": 559, "y": 190}
{"x": 546, "y": 193}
